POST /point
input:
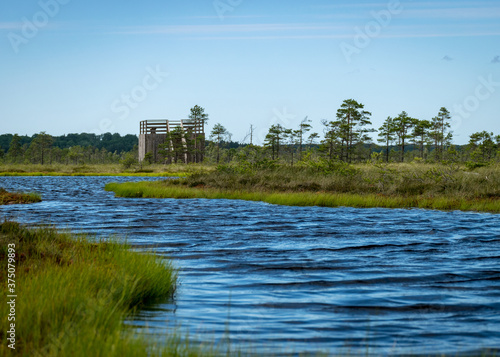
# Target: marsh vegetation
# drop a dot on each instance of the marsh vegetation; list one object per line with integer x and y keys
{"x": 74, "y": 293}
{"x": 7, "y": 198}
{"x": 325, "y": 183}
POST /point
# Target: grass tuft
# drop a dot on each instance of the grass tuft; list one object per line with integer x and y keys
{"x": 73, "y": 295}
{"x": 7, "y": 198}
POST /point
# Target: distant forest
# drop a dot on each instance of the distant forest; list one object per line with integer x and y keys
{"x": 347, "y": 138}
{"x": 69, "y": 149}
{"x": 109, "y": 142}
{"x": 84, "y": 148}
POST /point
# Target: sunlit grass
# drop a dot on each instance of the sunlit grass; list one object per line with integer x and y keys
{"x": 73, "y": 295}
{"x": 365, "y": 186}
{"x": 157, "y": 170}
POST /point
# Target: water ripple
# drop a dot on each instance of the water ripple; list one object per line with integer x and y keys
{"x": 304, "y": 279}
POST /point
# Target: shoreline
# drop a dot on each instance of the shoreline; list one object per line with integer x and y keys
{"x": 88, "y": 174}
{"x": 152, "y": 170}
{"x": 160, "y": 189}
{"x": 79, "y": 292}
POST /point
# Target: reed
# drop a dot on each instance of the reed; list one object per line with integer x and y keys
{"x": 73, "y": 294}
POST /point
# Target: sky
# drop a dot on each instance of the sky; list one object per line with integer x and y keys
{"x": 73, "y": 66}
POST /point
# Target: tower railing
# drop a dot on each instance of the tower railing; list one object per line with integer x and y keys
{"x": 164, "y": 126}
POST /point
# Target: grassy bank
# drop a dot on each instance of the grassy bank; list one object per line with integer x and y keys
{"x": 7, "y": 198}
{"x": 133, "y": 174}
{"x": 388, "y": 186}
{"x": 73, "y": 294}
{"x": 180, "y": 170}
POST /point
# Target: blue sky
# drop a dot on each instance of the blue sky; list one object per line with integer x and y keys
{"x": 70, "y": 66}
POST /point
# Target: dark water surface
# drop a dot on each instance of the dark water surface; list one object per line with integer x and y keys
{"x": 300, "y": 279}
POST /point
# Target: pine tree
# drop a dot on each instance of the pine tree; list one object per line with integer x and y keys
{"x": 218, "y": 135}
{"x": 304, "y": 127}
{"x": 387, "y": 135}
{"x": 352, "y": 120}
{"x": 421, "y": 134}
{"x": 482, "y": 146}
{"x": 198, "y": 115}
{"x": 440, "y": 125}
{"x": 273, "y": 140}
{"x": 15, "y": 149}
{"x": 40, "y": 145}
{"x": 402, "y": 125}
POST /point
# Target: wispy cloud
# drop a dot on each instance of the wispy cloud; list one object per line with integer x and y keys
{"x": 302, "y": 31}
{"x": 18, "y": 26}
{"x": 455, "y": 13}
{"x": 216, "y": 17}
{"x": 343, "y": 36}
{"x": 424, "y": 10}
{"x": 227, "y": 29}
{"x": 496, "y": 59}
{"x": 271, "y": 31}
{"x": 413, "y": 3}
{"x": 447, "y": 58}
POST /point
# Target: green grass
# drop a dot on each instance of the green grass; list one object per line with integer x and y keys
{"x": 157, "y": 170}
{"x": 322, "y": 199}
{"x": 393, "y": 186}
{"x": 137, "y": 174}
{"x": 73, "y": 295}
{"x": 15, "y": 198}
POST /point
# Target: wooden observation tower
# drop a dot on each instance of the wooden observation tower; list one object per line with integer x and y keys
{"x": 172, "y": 141}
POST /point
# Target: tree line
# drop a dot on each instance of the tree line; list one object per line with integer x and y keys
{"x": 347, "y": 139}
{"x": 82, "y": 148}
